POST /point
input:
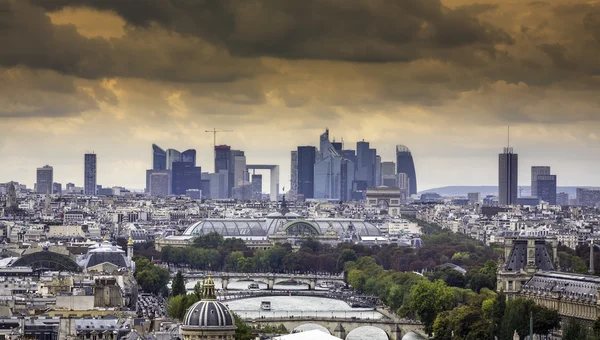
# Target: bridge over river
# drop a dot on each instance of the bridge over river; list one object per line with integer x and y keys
{"x": 270, "y": 279}
{"x": 394, "y": 327}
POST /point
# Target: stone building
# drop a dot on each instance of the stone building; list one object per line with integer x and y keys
{"x": 527, "y": 271}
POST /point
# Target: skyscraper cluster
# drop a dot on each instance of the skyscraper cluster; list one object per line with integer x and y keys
{"x": 45, "y": 185}
{"x": 173, "y": 172}
{"x": 332, "y": 172}
{"x": 543, "y": 183}
{"x": 176, "y": 173}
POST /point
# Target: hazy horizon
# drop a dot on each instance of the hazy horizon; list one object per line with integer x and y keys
{"x": 445, "y": 78}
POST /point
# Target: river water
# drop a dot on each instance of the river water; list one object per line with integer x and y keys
{"x": 298, "y": 306}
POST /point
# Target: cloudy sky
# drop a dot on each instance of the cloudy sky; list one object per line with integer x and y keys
{"x": 444, "y": 78}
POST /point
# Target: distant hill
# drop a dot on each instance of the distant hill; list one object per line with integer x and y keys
{"x": 491, "y": 190}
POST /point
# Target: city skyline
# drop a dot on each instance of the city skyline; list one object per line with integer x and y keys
{"x": 446, "y": 84}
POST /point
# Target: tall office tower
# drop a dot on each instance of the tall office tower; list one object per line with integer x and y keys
{"x": 388, "y": 174}
{"x": 256, "y": 187}
{"x": 158, "y": 183}
{"x": 89, "y": 175}
{"x": 377, "y": 170}
{"x": 405, "y": 164}
{"x": 57, "y": 188}
{"x": 44, "y": 180}
{"x": 235, "y": 174}
{"x": 70, "y": 187}
{"x": 403, "y": 182}
{"x": 185, "y": 176}
{"x": 189, "y": 156}
{"x": 240, "y": 176}
{"x": 351, "y": 155}
{"x": 159, "y": 158}
{"x": 546, "y": 188}
{"x": 367, "y": 159}
{"x": 562, "y": 198}
{"x": 508, "y": 177}
{"x": 535, "y": 172}
{"x": 222, "y": 157}
{"x": 328, "y": 168}
{"x": 205, "y": 185}
{"x": 219, "y": 185}
{"x": 347, "y": 179}
{"x": 294, "y": 174}
{"x": 306, "y": 171}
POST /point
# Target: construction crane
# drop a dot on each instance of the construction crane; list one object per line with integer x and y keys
{"x": 214, "y": 132}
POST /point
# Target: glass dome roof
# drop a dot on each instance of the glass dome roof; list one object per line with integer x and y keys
{"x": 264, "y": 227}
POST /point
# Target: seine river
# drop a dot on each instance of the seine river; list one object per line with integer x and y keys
{"x": 284, "y": 306}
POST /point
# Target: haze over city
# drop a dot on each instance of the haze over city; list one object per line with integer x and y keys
{"x": 443, "y": 78}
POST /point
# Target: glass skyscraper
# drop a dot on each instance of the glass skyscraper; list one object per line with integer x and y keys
{"x": 44, "y": 180}
{"x": 159, "y": 158}
{"x": 546, "y": 188}
{"x": 508, "y": 177}
{"x": 185, "y": 176}
{"x": 406, "y": 165}
{"x": 189, "y": 156}
{"x": 535, "y": 172}
{"x": 306, "y": 156}
{"x": 89, "y": 176}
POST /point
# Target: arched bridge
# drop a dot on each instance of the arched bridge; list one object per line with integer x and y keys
{"x": 271, "y": 279}
{"x": 352, "y": 299}
{"x": 341, "y": 327}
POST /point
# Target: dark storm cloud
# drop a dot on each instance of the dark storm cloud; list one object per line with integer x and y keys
{"x": 29, "y": 38}
{"x": 42, "y": 93}
{"x": 356, "y": 30}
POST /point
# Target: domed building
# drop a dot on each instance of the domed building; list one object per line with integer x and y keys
{"x": 208, "y": 318}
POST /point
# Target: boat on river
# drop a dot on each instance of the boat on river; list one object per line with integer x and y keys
{"x": 265, "y": 305}
{"x": 253, "y": 286}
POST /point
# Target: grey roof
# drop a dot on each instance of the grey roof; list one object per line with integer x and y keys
{"x": 568, "y": 285}
{"x": 517, "y": 260}
{"x": 101, "y": 254}
{"x": 208, "y": 314}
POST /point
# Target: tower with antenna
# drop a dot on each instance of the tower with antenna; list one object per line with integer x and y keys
{"x": 508, "y": 174}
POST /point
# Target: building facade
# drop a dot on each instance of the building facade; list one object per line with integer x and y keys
{"x": 44, "y": 180}
{"x": 546, "y": 188}
{"x": 158, "y": 183}
{"x": 508, "y": 177}
{"x": 306, "y": 172}
{"x": 185, "y": 176}
{"x": 588, "y": 197}
{"x": 294, "y": 174}
{"x": 89, "y": 181}
{"x": 535, "y": 172}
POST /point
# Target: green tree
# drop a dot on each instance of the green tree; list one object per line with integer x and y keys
{"x": 243, "y": 331}
{"x": 152, "y": 278}
{"x": 596, "y": 328}
{"x": 357, "y": 279}
{"x": 575, "y": 330}
{"x": 211, "y": 240}
{"x": 178, "y": 305}
{"x": 178, "y": 285}
{"x": 347, "y": 255}
{"x": 427, "y": 299}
